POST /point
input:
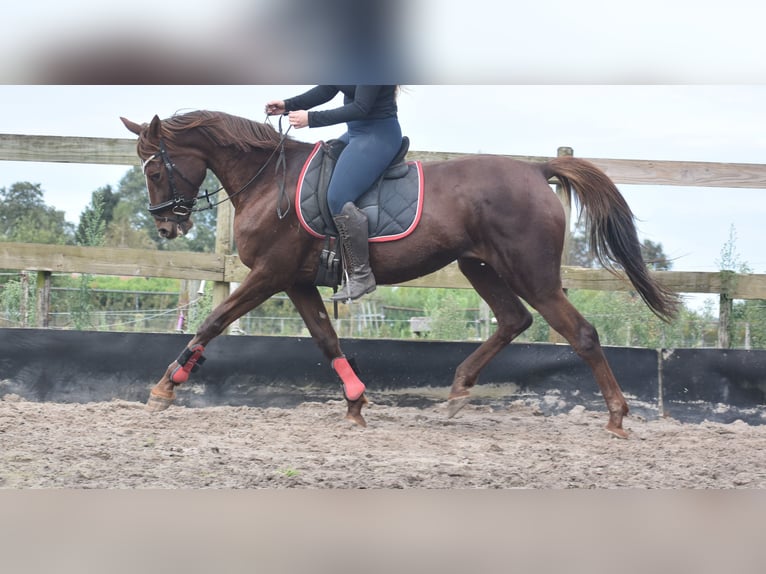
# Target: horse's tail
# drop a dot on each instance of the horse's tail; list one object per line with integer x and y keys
{"x": 611, "y": 228}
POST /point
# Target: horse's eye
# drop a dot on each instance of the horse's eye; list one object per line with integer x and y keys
{"x": 155, "y": 177}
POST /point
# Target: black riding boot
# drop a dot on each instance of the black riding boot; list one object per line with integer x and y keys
{"x": 354, "y": 233}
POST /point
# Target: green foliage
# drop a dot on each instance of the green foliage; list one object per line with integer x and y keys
{"x": 453, "y": 313}
{"x": 139, "y": 284}
{"x": 290, "y": 472}
{"x": 730, "y": 259}
{"x": 449, "y": 314}
{"x": 538, "y": 332}
{"x": 10, "y": 301}
{"x": 25, "y": 218}
{"x": 93, "y": 220}
{"x": 655, "y": 257}
{"x": 750, "y": 322}
{"x": 131, "y": 208}
{"x": 91, "y": 234}
{"x": 200, "y": 309}
{"x": 95, "y": 217}
{"x": 748, "y": 318}
{"x": 622, "y": 319}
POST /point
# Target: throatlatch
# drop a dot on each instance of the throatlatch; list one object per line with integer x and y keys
{"x": 189, "y": 361}
{"x": 353, "y": 388}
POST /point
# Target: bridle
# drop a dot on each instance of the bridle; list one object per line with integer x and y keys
{"x": 182, "y": 207}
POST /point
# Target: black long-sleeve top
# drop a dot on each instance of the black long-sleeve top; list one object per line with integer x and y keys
{"x": 359, "y": 103}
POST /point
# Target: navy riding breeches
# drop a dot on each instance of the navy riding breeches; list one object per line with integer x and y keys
{"x": 371, "y": 145}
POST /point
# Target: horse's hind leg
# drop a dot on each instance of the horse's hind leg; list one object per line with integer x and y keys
{"x": 564, "y": 318}
{"x": 512, "y": 320}
{"x": 309, "y": 304}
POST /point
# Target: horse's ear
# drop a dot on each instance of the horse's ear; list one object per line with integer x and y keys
{"x": 132, "y": 126}
{"x": 154, "y": 128}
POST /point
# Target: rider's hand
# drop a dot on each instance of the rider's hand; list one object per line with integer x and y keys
{"x": 275, "y": 107}
{"x": 299, "y": 119}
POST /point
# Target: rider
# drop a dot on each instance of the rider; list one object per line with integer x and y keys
{"x": 373, "y": 137}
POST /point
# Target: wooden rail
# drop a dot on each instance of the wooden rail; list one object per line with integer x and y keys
{"x": 119, "y": 151}
{"x": 228, "y": 269}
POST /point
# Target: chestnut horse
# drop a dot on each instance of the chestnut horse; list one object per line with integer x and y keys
{"x": 497, "y": 217}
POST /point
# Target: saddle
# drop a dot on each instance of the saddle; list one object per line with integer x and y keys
{"x": 393, "y": 204}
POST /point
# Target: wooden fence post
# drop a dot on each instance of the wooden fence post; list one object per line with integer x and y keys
{"x": 725, "y": 307}
{"x": 24, "y": 303}
{"x": 183, "y": 306}
{"x": 43, "y": 299}
{"x": 224, "y": 244}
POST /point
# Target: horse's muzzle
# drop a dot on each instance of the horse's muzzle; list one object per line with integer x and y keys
{"x": 172, "y": 229}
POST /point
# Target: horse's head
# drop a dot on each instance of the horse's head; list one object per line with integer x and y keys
{"x": 172, "y": 181}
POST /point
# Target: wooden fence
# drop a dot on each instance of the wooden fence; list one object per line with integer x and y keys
{"x": 223, "y": 268}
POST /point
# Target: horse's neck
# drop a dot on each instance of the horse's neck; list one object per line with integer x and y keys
{"x": 262, "y": 169}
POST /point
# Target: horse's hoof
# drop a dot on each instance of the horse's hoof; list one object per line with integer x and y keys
{"x": 455, "y": 405}
{"x": 357, "y": 419}
{"x": 354, "y": 413}
{"x": 614, "y": 425}
{"x": 619, "y": 432}
{"x": 157, "y": 403}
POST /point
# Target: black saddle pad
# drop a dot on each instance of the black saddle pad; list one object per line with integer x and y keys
{"x": 393, "y": 205}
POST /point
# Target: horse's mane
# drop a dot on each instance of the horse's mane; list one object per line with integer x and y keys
{"x": 221, "y": 128}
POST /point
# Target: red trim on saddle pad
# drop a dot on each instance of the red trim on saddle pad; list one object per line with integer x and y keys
{"x": 298, "y": 192}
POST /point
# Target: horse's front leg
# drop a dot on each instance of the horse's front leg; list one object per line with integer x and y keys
{"x": 309, "y": 304}
{"x": 251, "y": 293}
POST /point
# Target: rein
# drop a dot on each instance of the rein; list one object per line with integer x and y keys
{"x": 183, "y": 207}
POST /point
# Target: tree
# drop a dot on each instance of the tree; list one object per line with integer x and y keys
{"x": 101, "y": 210}
{"x": 25, "y": 217}
{"x": 655, "y": 257}
{"x": 91, "y": 232}
{"x": 131, "y": 224}
{"x": 730, "y": 259}
{"x": 748, "y": 317}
